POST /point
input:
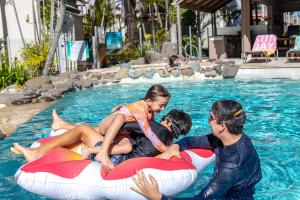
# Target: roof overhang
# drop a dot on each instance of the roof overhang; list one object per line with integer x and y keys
{"x": 203, "y": 5}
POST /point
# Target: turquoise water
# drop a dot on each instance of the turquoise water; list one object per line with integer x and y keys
{"x": 272, "y": 107}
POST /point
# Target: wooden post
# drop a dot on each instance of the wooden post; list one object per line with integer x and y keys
{"x": 199, "y": 35}
{"x": 178, "y": 14}
{"x": 246, "y": 45}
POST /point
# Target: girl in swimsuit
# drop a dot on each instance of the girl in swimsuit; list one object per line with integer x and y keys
{"x": 142, "y": 111}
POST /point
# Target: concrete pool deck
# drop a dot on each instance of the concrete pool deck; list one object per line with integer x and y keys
{"x": 13, "y": 116}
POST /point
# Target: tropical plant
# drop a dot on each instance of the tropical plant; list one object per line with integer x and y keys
{"x": 34, "y": 56}
{"x": 10, "y": 75}
{"x": 161, "y": 36}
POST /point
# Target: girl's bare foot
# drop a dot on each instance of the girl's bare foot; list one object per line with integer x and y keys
{"x": 29, "y": 154}
{"x": 104, "y": 159}
{"x": 57, "y": 121}
{"x": 85, "y": 153}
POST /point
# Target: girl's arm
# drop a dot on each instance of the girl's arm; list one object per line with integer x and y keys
{"x": 142, "y": 120}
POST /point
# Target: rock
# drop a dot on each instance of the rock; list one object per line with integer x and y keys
{"x": 56, "y": 94}
{"x": 95, "y": 76}
{"x": 6, "y": 99}
{"x": 149, "y": 73}
{"x": 47, "y": 96}
{"x": 210, "y": 73}
{"x": 122, "y": 73}
{"x": 95, "y": 82}
{"x": 163, "y": 73}
{"x": 152, "y": 57}
{"x": 187, "y": 72}
{"x": 125, "y": 65}
{"x": 108, "y": 76}
{"x": 218, "y": 69}
{"x": 46, "y": 87}
{"x": 87, "y": 83}
{"x": 67, "y": 75}
{"x": 168, "y": 49}
{"x": 230, "y": 71}
{"x": 47, "y": 99}
{"x": 175, "y": 72}
{"x": 2, "y": 135}
{"x": 12, "y": 89}
{"x": 139, "y": 61}
{"x": 21, "y": 101}
{"x": 31, "y": 95}
{"x": 37, "y": 82}
{"x": 134, "y": 73}
{"x": 195, "y": 66}
{"x": 64, "y": 87}
{"x": 225, "y": 62}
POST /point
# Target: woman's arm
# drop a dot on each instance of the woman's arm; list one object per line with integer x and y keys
{"x": 206, "y": 142}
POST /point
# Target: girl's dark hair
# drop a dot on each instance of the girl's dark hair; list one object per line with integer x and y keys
{"x": 172, "y": 60}
{"x": 157, "y": 91}
{"x": 231, "y": 114}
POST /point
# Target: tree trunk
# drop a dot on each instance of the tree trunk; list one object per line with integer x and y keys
{"x": 158, "y": 15}
{"x": 18, "y": 22}
{"x": 167, "y": 14}
{"x": 51, "y": 20}
{"x": 55, "y": 41}
{"x": 130, "y": 20}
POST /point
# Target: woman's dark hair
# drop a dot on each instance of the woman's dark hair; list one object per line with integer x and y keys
{"x": 172, "y": 60}
{"x": 231, "y": 114}
{"x": 181, "y": 122}
{"x": 157, "y": 91}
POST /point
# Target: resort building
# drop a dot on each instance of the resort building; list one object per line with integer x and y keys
{"x": 21, "y": 23}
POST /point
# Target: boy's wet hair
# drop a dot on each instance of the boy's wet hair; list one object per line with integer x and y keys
{"x": 231, "y": 114}
{"x": 172, "y": 60}
{"x": 157, "y": 91}
{"x": 181, "y": 122}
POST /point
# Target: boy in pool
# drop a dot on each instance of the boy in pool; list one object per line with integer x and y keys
{"x": 142, "y": 111}
{"x": 237, "y": 168}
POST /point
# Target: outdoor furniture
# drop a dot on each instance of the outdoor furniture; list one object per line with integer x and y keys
{"x": 264, "y": 46}
{"x": 295, "y": 51}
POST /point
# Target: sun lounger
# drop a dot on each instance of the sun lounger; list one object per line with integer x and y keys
{"x": 265, "y": 46}
{"x": 294, "y": 52}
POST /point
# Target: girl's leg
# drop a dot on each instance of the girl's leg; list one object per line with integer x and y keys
{"x": 59, "y": 123}
{"x": 121, "y": 145}
{"x": 87, "y": 134}
{"x": 105, "y": 123}
{"x": 116, "y": 123}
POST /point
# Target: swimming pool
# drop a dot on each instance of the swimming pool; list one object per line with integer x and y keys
{"x": 272, "y": 107}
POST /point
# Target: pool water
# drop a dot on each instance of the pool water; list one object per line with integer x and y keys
{"x": 272, "y": 107}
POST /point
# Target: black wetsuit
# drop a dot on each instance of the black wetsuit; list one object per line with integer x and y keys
{"x": 237, "y": 168}
{"x": 141, "y": 145}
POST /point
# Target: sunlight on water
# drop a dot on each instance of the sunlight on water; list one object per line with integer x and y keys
{"x": 272, "y": 107}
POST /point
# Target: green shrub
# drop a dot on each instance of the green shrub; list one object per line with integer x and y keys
{"x": 11, "y": 75}
{"x": 34, "y": 57}
{"x": 161, "y": 37}
{"x": 129, "y": 54}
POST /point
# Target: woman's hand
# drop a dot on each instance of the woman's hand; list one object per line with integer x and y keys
{"x": 148, "y": 189}
{"x": 117, "y": 107}
{"x": 173, "y": 150}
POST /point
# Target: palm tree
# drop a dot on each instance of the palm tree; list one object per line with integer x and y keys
{"x": 55, "y": 41}
{"x": 131, "y": 22}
